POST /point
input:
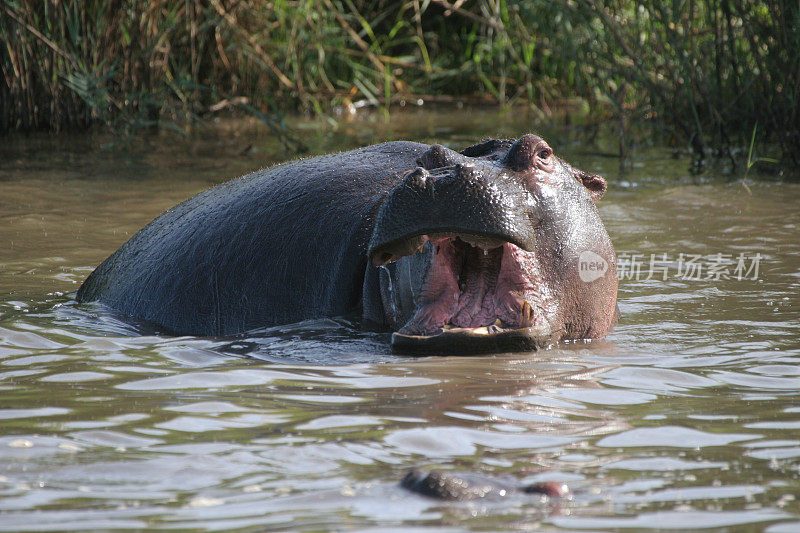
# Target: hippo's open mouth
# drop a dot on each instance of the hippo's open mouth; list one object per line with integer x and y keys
{"x": 479, "y": 293}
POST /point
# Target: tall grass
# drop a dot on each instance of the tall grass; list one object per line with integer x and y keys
{"x": 708, "y": 70}
{"x": 704, "y": 71}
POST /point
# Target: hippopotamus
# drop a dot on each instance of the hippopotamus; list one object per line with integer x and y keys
{"x": 497, "y": 246}
{"x": 461, "y": 487}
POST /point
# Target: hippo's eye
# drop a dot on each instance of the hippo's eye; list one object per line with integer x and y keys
{"x": 544, "y": 153}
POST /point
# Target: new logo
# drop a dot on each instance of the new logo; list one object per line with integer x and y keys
{"x": 591, "y": 266}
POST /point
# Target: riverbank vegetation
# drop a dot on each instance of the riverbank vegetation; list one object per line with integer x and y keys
{"x": 705, "y": 72}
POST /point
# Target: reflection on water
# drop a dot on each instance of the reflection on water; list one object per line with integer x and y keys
{"x": 687, "y": 416}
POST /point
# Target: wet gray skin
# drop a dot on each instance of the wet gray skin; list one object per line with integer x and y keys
{"x": 453, "y": 252}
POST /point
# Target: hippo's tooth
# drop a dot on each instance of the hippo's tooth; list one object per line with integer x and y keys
{"x": 383, "y": 258}
{"x": 394, "y": 251}
{"x": 525, "y": 315}
{"x": 481, "y": 241}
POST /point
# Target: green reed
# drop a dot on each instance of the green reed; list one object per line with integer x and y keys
{"x": 704, "y": 72}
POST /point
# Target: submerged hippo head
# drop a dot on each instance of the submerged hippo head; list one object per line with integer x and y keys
{"x": 498, "y": 246}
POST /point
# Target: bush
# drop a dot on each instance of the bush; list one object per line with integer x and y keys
{"x": 707, "y": 71}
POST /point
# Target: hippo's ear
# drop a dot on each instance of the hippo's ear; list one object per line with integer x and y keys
{"x": 596, "y": 184}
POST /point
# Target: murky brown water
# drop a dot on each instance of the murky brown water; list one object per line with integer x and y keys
{"x": 686, "y": 417}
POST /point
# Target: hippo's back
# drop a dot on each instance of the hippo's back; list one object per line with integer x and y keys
{"x": 277, "y": 246}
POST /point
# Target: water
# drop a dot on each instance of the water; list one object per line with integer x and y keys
{"x": 685, "y": 417}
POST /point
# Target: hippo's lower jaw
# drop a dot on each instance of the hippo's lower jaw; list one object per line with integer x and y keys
{"x": 468, "y": 340}
{"x": 479, "y": 294}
